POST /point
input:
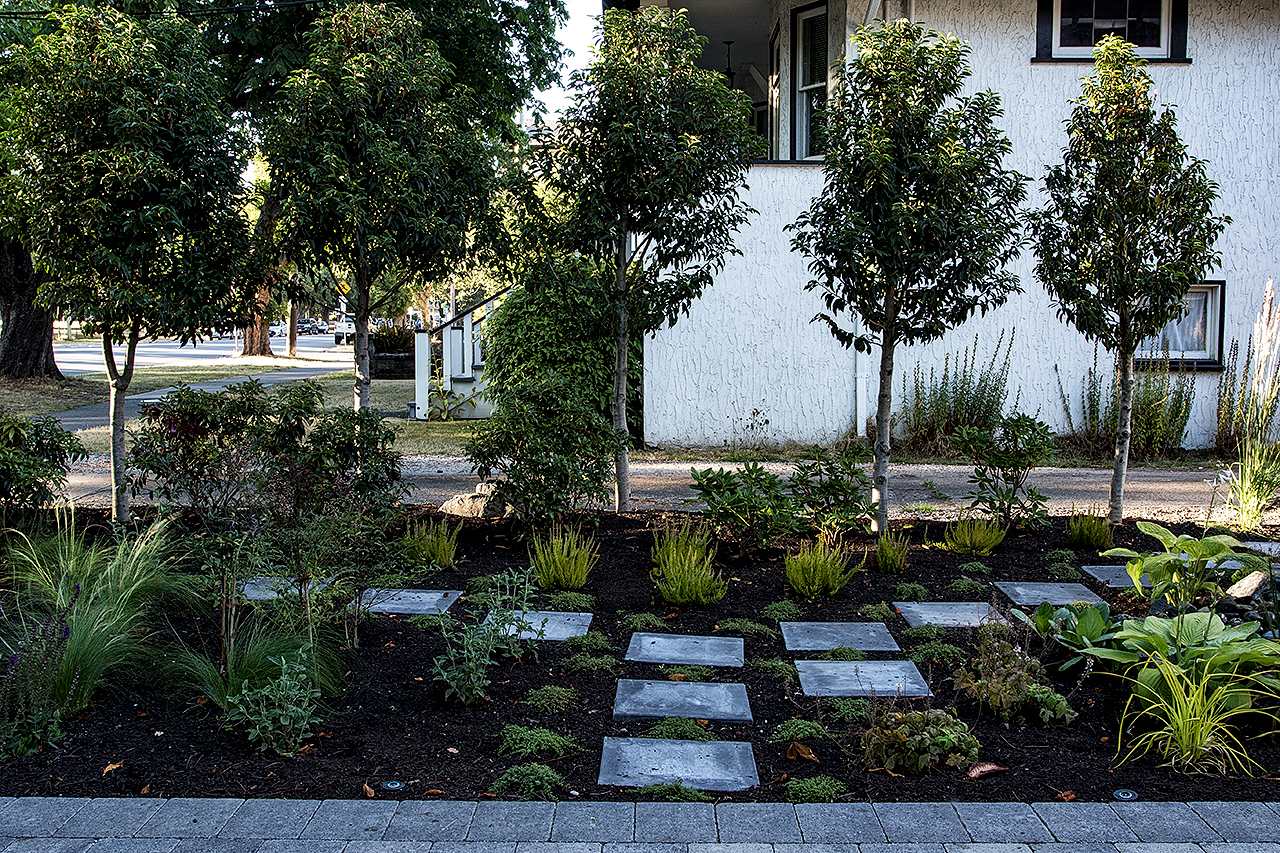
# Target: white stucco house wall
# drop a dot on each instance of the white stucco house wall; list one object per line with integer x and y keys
{"x": 748, "y": 343}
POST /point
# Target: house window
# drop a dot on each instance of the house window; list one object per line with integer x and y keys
{"x": 811, "y": 82}
{"x": 1068, "y": 30}
{"x": 1196, "y": 336}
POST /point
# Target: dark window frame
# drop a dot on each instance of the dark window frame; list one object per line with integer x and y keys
{"x": 794, "y": 94}
{"x": 1178, "y": 16}
{"x": 1198, "y": 365}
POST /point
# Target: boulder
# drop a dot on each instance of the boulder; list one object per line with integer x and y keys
{"x": 484, "y": 503}
{"x": 1249, "y": 585}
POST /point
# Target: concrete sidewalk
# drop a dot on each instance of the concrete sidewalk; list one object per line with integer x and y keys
{"x": 65, "y": 825}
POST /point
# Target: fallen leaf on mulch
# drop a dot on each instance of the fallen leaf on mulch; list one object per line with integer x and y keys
{"x": 1065, "y": 796}
{"x": 115, "y": 765}
{"x": 368, "y": 792}
{"x": 146, "y": 789}
{"x": 982, "y": 768}
{"x": 677, "y": 676}
{"x": 797, "y": 751}
{"x": 434, "y": 791}
{"x": 884, "y": 770}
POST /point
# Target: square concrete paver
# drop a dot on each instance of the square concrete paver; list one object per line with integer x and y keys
{"x": 948, "y": 614}
{"x": 839, "y": 823}
{"x": 763, "y": 822}
{"x": 1083, "y": 822}
{"x": 674, "y": 648}
{"x": 189, "y": 817}
{"x": 596, "y": 822}
{"x": 675, "y": 822}
{"x": 906, "y": 823}
{"x": 1007, "y": 823}
{"x": 410, "y": 602}
{"x": 648, "y": 700}
{"x": 554, "y": 624}
{"x": 713, "y": 766}
{"x": 1240, "y": 822}
{"x": 495, "y": 821}
{"x": 1115, "y": 577}
{"x": 882, "y": 678}
{"x": 349, "y": 820}
{"x": 430, "y": 821}
{"x": 32, "y": 816}
{"x": 270, "y": 819}
{"x": 822, "y": 636}
{"x": 1031, "y": 594}
{"x": 110, "y": 817}
{"x": 133, "y": 845}
{"x": 1166, "y": 822}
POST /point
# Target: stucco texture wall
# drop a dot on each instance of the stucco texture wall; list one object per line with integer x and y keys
{"x": 749, "y": 343}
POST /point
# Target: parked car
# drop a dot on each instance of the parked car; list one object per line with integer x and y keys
{"x": 344, "y": 332}
{"x": 280, "y": 329}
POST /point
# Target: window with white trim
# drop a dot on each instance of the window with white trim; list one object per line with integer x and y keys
{"x": 811, "y": 81}
{"x": 1081, "y": 24}
{"x": 1196, "y": 336}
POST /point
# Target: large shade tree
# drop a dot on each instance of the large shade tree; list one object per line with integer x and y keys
{"x": 1128, "y": 224}
{"x": 127, "y": 175}
{"x": 379, "y": 164}
{"x": 918, "y": 216}
{"x": 650, "y": 156}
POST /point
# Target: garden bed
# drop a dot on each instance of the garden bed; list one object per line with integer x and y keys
{"x": 392, "y": 722}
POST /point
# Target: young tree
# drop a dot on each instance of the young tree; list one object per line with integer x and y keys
{"x": 1128, "y": 226}
{"x": 918, "y": 216}
{"x": 379, "y": 169}
{"x": 650, "y": 156}
{"x": 128, "y": 178}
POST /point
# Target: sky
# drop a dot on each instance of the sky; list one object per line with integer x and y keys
{"x": 577, "y": 35}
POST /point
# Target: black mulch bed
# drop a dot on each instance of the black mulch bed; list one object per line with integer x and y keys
{"x": 392, "y": 722}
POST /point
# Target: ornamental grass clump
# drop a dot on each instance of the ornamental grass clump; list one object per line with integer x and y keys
{"x": 1089, "y": 530}
{"x": 432, "y": 544}
{"x": 820, "y": 569}
{"x": 976, "y": 536}
{"x": 891, "y": 553}
{"x": 563, "y": 559}
{"x": 683, "y": 558}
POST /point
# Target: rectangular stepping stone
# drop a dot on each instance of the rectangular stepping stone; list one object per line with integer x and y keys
{"x": 1022, "y": 592}
{"x": 554, "y": 624}
{"x": 948, "y": 614}
{"x": 715, "y": 766}
{"x": 673, "y": 648}
{"x": 1115, "y": 577}
{"x": 649, "y": 700}
{"x": 265, "y": 589}
{"x": 410, "y": 602}
{"x": 867, "y": 636}
{"x": 1272, "y": 548}
{"x": 883, "y": 678}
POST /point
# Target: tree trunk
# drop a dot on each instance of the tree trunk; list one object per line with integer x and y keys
{"x": 622, "y": 459}
{"x": 361, "y": 317}
{"x": 118, "y": 382}
{"x": 257, "y": 335}
{"x": 1124, "y": 430}
{"x": 884, "y": 412}
{"x": 293, "y": 329}
{"x": 26, "y": 339}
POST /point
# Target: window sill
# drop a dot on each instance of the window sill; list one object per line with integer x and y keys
{"x": 1184, "y": 365}
{"x": 1088, "y": 60}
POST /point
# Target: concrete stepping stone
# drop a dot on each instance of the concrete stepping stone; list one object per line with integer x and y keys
{"x": 653, "y": 700}
{"x": 882, "y": 678}
{"x": 1272, "y": 548}
{"x": 822, "y": 636}
{"x": 265, "y": 589}
{"x": 714, "y": 766}
{"x": 1114, "y": 577}
{"x": 410, "y": 602}
{"x": 1024, "y": 592}
{"x": 674, "y": 648}
{"x": 948, "y": 614}
{"x": 555, "y": 625}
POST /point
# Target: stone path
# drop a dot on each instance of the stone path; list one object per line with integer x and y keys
{"x": 653, "y": 700}
{"x": 824, "y": 636}
{"x": 553, "y": 624}
{"x": 948, "y": 614}
{"x": 683, "y": 649}
{"x": 881, "y": 678}
{"x": 1032, "y": 594}
{"x": 65, "y": 825}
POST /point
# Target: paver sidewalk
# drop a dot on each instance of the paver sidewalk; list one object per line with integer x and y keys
{"x": 108, "y": 825}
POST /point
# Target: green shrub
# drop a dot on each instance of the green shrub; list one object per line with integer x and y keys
{"x": 913, "y": 742}
{"x": 1064, "y": 572}
{"x": 592, "y": 641}
{"x": 35, "y": 455}
{"x": 747, "y": 628}
{"x": 775, "y": 668}
{"x": 644, "y": 622}
{"x": 393, "y": 340}
{"x": 530, "y": 782}
{"x": 683, "y": 572}
{"x": 571, "y": 601}
{"x": 30, "y": 709}
{"x": 551, "y": 699}
{"x": 881, "y": 612}
{"x": 1161, "y": 409}
{"x": 1089, "y": 530}
{"x": 815, "y": 789}
{"x": 278, "y": 715}
{"x": 964, "y": 395}
{"x": 550, "y": 445}
{"x": 910, "y": 592}
{"x": 944, "y": 654}
{"x": 844, "y": 653}
{"x": 432, "y": 544}
{"x": 832, "y": 486}
{"x": 976, "y": 536}
{"x": 563, "y": 559}
{"x": 1005, "y": 457}
{"x": 819, "y": 569}
{"x": 677, "y": 728}
{"x": 1011, "y": 683}
{"x": 670, "y": 792}
{"x": 975, "y": 568}
{"x": 781, "y": 611}
{"x": 471, "y": 649}
{"x": 798, "y": 729}
{"x": 968, "y": 587}
{"x": 751, "y": 504}
{"x": 844, "y": 709}
{"x": 526, "y": 742}
{"x": 582, "y": 662}
{"x": 891, "y": 553}
{"x": 687, "y": 671}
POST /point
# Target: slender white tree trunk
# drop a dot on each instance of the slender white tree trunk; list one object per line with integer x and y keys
{"x": 622, "y": 460}
{"x": 1124, "y": 431}
{"x": 884, "y": 413}
{"x": 361, "y": 316}
{"x": 118, "y": 382}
